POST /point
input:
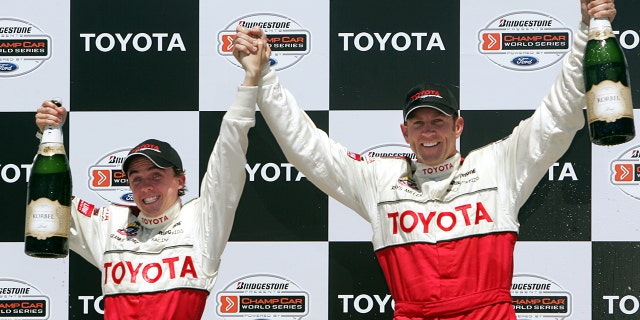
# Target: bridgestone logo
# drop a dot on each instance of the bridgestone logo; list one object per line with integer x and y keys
{"x": 262, "y": 286}
{"x": 525, "y": 23}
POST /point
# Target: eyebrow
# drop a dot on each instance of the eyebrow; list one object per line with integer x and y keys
{"x": 151, "y": 167}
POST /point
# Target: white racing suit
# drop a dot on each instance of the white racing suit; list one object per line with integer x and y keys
{"x": 164, "y": 268}
{"x": 444, "y": 235}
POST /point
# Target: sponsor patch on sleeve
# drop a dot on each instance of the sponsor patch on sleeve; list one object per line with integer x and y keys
{"x": 86, "y": 208}
{"x": 354, "y": 156}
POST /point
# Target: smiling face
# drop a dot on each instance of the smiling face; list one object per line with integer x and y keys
{"x": 154, "y": 189}
{"x": 432, "y": 135}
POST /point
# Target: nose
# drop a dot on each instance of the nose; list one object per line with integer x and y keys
{"x": 428, "y": 128}
{"x": 147, "y": 184}
{"x": 144, "y": 185}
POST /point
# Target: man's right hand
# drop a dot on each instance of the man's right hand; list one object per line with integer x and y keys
{"x": 49, "y": 114}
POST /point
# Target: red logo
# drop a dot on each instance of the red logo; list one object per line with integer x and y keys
{"x": 85, "y": 208}
{"x": 623, "y": 172}
{"x": 227, "y": 42}
{"x": 354, "y": 156}
{"x": 490, "y": 41}
{"x": 229, "y": 304}
{"x": 408, "y": 220}
{"x": 100, "y": 178}
{"x": 169, "y": 268}
{"x": 426, "y": 93}
{"x": 145, "y": 146}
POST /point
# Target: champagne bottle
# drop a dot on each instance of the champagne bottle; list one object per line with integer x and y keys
{"x": 609, "y": 106}
{"x": 49, "y": 198}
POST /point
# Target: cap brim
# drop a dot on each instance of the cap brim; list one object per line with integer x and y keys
{"x": 447, "y": 111}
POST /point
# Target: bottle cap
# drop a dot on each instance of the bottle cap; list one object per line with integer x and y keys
{"x": 52, "y": 135}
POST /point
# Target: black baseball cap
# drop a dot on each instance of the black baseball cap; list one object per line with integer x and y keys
{"x": 430, "y": 95}
{"x": 162, "y": 154}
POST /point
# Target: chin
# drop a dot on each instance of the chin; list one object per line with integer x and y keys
{"x": 137, "y": 204}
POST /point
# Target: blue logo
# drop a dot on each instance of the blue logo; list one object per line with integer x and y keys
{"x": 131, "y": 230}
{"x": 524, "y": 61}
{"x": 7, "y": 67}
{"x": 127, "y": 197}
{"x": 406, "y": 181}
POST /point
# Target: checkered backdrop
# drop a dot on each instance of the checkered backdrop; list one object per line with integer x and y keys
{"x": 129, "y": 70}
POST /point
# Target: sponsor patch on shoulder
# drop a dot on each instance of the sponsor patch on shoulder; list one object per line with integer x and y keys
{"x": 86, "y": 208}
{"x": 354, "y": 156}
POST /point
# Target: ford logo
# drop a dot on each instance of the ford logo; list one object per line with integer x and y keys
{"x": 127, "y": 197}
{"x": 7, "y": 67}
{"x": 524, "y": 61}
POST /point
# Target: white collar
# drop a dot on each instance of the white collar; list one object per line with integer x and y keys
{"x": 437, "y": 172}
{"x": 160, "y": 221}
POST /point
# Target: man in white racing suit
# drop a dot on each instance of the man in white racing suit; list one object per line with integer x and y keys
{"x": 444, "y": 227}
{"x": 160, "y": 259}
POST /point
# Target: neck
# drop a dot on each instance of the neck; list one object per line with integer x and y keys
{"x": 438, "y": 171}
{"x": 162, "y": 220}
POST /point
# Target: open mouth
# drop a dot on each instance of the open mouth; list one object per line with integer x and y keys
{"x": 150, "y": 200}
{"x": 433, "y": 144}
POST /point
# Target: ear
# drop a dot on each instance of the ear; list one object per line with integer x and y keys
{"x": 182, "y": 181}
{"x": 459, "y": 125}
{"x": 405, "y": 132}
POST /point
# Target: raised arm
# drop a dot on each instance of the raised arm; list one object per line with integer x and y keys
{"x": 223, "y": 183}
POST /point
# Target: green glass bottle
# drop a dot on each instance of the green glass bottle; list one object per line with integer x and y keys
{"x": 606, "y": 78}
{"x": 49, "y": 199}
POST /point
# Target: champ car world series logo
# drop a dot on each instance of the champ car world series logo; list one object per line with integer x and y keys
{"x": 21, "y": 300}
{"x": 625, "y": 172}
{"x": 262, "y": 296}
{"x": 23, "y": 47}
{"x": 289, "y": 42}
{"x": 536, "y": 297}
{"x": 107, "y": 179}
{"x": 525, "y": 41}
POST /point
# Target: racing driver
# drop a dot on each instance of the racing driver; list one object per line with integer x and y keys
{"x": 160, "y": 258}
{"x": 458, "y": 262}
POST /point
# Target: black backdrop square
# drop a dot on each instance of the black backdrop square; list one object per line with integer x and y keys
{"x": 558, "y": 209}
{"x": 19, "y": 147}
{"x": 615, "y": 276}
{"x": 272, "y": 207}
{"x": 85, "y": 291}
{"x": 626, "y": 20}
{"x": 376, "y": 79}
{"x": 356, "y": 283}
{"x": 162, "y": 77}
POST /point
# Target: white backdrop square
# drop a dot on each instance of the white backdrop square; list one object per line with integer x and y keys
{"x": 614, "y": 205}
{"x": 220, "y": 73}
{"x": 488, "y": 85}
{"x": 566, "y": 264}
{"x": 40, "y": 78}
{"x": 49, "y": 277}
{"x": 95, "y": 135}
{"x": 303, "y": 263}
